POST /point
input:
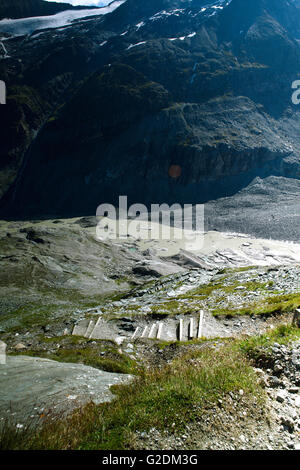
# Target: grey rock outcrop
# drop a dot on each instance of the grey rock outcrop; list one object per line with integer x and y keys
{"x": 34, "y": 387}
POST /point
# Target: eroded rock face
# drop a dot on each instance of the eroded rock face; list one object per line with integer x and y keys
{"x": 172, "y": 83}
{"x": 35, "y": 387}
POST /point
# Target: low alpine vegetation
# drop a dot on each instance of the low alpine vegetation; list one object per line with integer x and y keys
{"x": 165, "y": 399}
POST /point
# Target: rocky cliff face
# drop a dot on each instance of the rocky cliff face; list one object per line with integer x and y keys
{"x": 119, "y": 99}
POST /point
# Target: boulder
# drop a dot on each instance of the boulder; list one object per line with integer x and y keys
{"x": 20, "y": 346}
{"x": 296, "y": 318}
{"x": 32, "y": 386}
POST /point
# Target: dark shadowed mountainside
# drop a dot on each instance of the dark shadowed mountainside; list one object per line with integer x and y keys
{"x": 29, "y": 8}
{"x": 106, "y": 106}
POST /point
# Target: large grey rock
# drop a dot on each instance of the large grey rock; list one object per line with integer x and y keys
{"x": 33, "y": 386}
{"x": 156, "y": 268}
{"x": 281, "y": 396}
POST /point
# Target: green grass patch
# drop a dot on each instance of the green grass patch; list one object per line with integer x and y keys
{"x": 236, "y": 270}
{"x": 79, "y": 350}
{"x": 34, "y": 315}
{"x": 283, "y": 334}
{"x": 272, "y": 305}
{"x": 221, "y": 287}
{"x": 52, "y": 305}
{"x": 172, "y": 307}
{"x": 166, "y": 399}
{"x": 197, "y": 341}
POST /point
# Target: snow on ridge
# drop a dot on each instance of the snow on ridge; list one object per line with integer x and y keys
{"x": 135, "y": 45}
{"x": 216, "y": 5}
{"x": 139, "y": 25}
{"x": 23, "y": 26}
{"x": 165, "y": 13}
{"x": 182, "y": 38}
{"x": 210, "y": 10}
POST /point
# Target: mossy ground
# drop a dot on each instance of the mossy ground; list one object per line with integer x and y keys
{"x": 212, "y": 295}
{"x": 266, "y": 306}
{"x": 100, "y": 354}
{"x": 52, "y": 305}
{"x": 283, "y": 334}
{"x": 49, "y": 271}
{"x": 166, "y": 399}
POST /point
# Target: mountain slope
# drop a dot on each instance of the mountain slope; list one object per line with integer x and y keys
{"x": 126, "y": 96}
{"x": 30, "y": 8}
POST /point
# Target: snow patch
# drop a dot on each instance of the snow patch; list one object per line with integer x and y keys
{"x": 135, "y": 45}
{"x": 23, "y": 26}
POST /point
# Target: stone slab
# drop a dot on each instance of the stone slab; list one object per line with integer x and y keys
{"x": 30, "y": 387}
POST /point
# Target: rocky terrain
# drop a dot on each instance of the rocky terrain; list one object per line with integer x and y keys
{"x": 34, "y": 387}
{"x": 247, "y": 430}
{"x": 29, "y": 8}
{"x": 144, "y": 342}
{"x": 57, "y": 267}
{"x": 57, "y": 278}
{"x": 221, "y": 110}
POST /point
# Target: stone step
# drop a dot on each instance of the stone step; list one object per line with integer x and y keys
{"x": 95, "y": 328}
{"x": 80, "y": 328}
{"x": 160, "y": 330}
{"x": 89, "y": 329}
{"x": 200, "y": 327}
{"x": 145, "y": 332}
{"x": 186, "y": 329}
{"x": 136, "y": 333}
{"x": 153, "y": 331}
{"x": 103, "y": 330}
{"x": 169, "y": 332}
